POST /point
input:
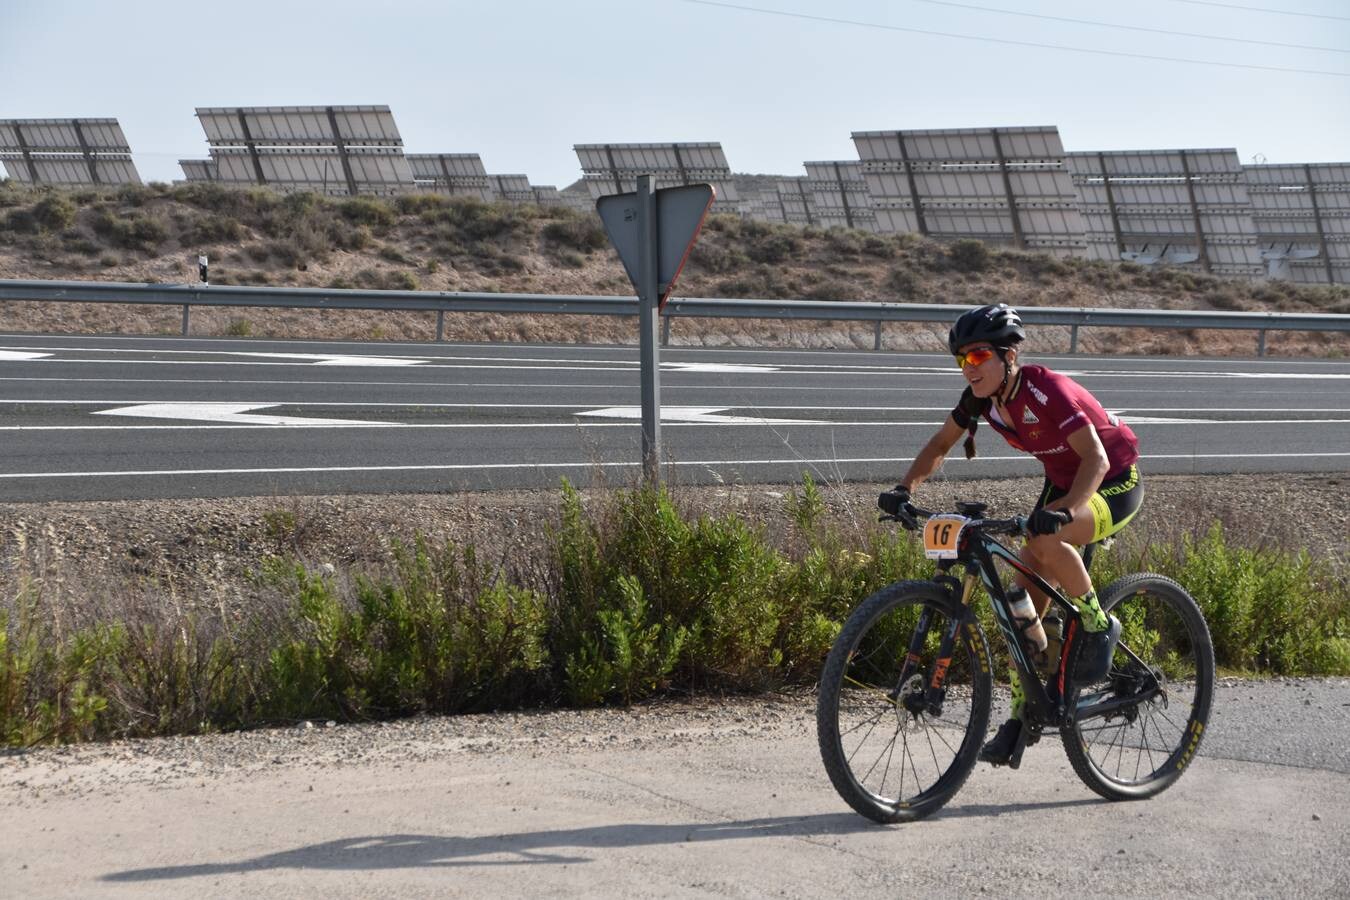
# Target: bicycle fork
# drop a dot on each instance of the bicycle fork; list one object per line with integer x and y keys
{"x": 930, "y": 698}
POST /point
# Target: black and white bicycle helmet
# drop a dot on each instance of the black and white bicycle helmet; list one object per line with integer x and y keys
{"x": 997, "y": 324}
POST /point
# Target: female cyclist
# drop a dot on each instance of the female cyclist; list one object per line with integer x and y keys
{"x": 1092, "y": 487}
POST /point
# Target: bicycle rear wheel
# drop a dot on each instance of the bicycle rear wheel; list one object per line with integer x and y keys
{"x": 890, "y": 755}
{"x": 1135, "y": 731}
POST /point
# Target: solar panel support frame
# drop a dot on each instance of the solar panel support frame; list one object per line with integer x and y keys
{"x": 86, "y": 152}
{"x": 800, "y": 185}
{"x": 1317, "y": 220}
{"x": 1195, "y": 215}
{"x": 913, "y": 186}
{"x": 843, "y": 194}
{"x": 341, "y": 151}
{"x": 252, "y": 146}
{"x": 1111, "y": 206}
{"x": 27, "y": 155}
{"x": 1019, "y": 237}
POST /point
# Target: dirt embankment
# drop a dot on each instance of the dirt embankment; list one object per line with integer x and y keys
{"x": 154, "y": 234}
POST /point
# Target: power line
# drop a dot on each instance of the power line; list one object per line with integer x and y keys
{"x": 1038, "y": 46}
{"x": 1262, "y": 9}
{"x": 1205, "y": 37}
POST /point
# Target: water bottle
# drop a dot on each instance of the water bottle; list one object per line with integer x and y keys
{"x": 1023, "y": 610}
{"x": 1053, "y": 626}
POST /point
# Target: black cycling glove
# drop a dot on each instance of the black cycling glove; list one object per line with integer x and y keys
{"x": 1048, "y": 521}
{"x": 891, "y": 501}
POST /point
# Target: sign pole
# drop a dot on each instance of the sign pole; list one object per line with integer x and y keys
{"x": 649, "y": 296}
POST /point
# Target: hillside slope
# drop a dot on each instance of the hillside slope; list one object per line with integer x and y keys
{"x": 154, "y": 234}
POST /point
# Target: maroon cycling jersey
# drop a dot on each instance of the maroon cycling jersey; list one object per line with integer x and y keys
{"x": 1047, "y": 408}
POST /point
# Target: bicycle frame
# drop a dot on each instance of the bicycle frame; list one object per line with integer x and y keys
{"x": 1049, "y": 703}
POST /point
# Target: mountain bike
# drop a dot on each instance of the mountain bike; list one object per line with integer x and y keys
{"x": 905, "y": 693}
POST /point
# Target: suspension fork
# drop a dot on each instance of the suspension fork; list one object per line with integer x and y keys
{"x": 934, "y": 693}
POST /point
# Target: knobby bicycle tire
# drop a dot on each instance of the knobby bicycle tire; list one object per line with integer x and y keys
{"x": 862, "y": 727}
{"x": 1155, "y": 744}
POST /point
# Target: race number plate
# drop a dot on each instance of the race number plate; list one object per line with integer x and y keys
{"x": 942, "y": 535}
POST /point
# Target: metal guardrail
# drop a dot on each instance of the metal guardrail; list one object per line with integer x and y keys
{"x": 441, "y": 302}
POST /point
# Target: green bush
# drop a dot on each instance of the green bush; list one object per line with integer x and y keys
{"x": 577, "y": 232}
{"x": 50, "y": 687}
{"x": 212, "y": 229}
{"x": 133, "y": 231}
{"x": 630, "y": 596}
{"x": 20, "y": 221}
{"x": 967, "y": 255}
{"x": 367, "y": 211}
{"x": 54, "y": 213}
{"x": 443, "y": 633}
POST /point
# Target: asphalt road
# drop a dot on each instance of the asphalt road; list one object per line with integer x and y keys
{"x": 712, "y": 799}
{"x": 120, "y": 418}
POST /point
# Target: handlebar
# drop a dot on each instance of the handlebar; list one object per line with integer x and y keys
{"x": 910, "y": 515}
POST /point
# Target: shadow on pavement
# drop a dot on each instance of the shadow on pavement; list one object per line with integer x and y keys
{"x": 396, "y": 851}
{"x": 400, "y": 851}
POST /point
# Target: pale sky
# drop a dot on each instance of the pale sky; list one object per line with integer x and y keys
{"x": 520, "y": 81}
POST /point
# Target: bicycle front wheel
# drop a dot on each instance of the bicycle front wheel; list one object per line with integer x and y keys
{"x": 893, "y": 753}
{"x": 1135, "y": 731}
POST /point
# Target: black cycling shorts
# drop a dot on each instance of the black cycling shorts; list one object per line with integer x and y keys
{"x": 1113, "y": 506}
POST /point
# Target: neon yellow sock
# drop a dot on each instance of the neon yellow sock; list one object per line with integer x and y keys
{"x": 1018, "y": 698}
{"x": 1091, "y": 611}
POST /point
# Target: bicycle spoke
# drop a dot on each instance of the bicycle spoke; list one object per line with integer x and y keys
{"x": 873, "y": 721}
{"x": 1163, "y": 685}
{"x": 890, "y": 752}
{"x": 863, "y": 741}
{"x": 888, "y": 749}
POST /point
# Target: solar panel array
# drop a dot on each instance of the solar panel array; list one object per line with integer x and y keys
{"x": 455, "y": 174}
{"x": 1302, "y": 219}
{"x": 797, "y": 202}
{"x": 1198, "y": 208}
{"x": 1005, "y": 186}
{"x": 199, "y": 170}
{"x": 70, "y": 152}
{"x": 546, "y": 195}
{"x": 511, "y": 188}
{"x": 760, "y": 202}
{"x": 337, "y": 150}
{"x": 613, "y": 168}
{"x": 1187, "y": 207}
{"x": 839, "y": 195}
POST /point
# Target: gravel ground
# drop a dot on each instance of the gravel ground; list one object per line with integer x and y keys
{"x": 1301, "y": 722}
{"x": 209, "y": 548}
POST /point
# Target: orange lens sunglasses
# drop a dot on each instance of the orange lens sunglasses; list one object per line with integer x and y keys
{"x": 977, "y": 357}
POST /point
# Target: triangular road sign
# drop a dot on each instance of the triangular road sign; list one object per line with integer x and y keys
{"x": 680, "y": 212}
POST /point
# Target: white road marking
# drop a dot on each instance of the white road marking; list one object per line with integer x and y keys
{"x": 495, "y": 362}
{"x": 262, "y": 423}
{"x": 1126, "y": 413}
{"x": 327, "y": 359}
{"x": 228, "y": 413}
{"x": 590, "y": 464}
{"x": 20, "y": 355}
{"x": 718, "y": 367}
{"x": 702, "y": 415}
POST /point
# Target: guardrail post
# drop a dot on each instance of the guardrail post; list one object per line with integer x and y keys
{"x": 1073, "y": 338}
{"x": 187, "y": 318}
{"x": 876, "y": 341}
{"x": 440, "y": 325}
{"x": 1261, "y": 342}
{"x": 665, "y": 330}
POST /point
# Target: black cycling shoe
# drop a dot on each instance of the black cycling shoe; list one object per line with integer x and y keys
{"x": 1094, "y": 656}
{"x": 1005, "y": 749}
